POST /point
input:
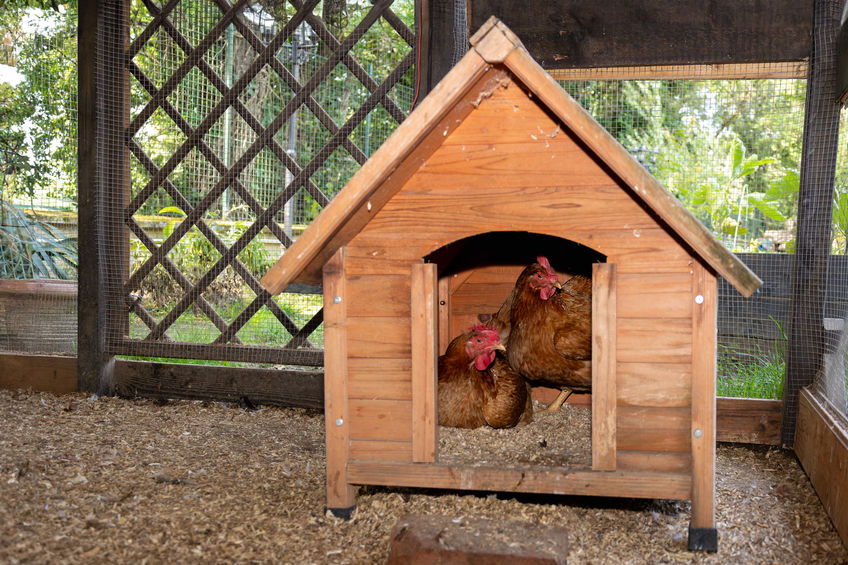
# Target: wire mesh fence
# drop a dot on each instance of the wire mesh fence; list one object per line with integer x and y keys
{"x": 243, "y": 120}
{"x": 728, "y": 149}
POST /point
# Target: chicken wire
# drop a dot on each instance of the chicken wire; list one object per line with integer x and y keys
{"x": 684, "y": 123}
{"x": 245, "y": 121}
{"x": 722, "y": 143}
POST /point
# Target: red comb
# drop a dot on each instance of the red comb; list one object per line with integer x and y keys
{"x": 543, "y": 261}
{"x": 484, "y": 329}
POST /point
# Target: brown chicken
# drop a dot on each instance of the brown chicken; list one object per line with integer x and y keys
{"x": 477, "y": 387}
{"x": 550, "y": 330}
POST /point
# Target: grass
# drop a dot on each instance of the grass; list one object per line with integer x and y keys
{"x": 761, "y": 379}
{"x": 263, "y": 329}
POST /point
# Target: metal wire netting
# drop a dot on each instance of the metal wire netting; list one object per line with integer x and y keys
{"x": 726, "y": 145}
{"x": 220, "y": 189}
{"x": 244, "y": 120}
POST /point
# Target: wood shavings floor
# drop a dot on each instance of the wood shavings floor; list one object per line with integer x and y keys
{"x": 111, "y": 480}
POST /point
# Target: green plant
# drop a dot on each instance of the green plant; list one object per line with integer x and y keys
{"x": 30, "y": 249}
{"x": 753, "y": 375}
{"x": 194, "y": 255}
{"x": 760, "y": 379}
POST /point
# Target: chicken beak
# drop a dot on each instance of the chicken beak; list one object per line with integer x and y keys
{"x": 499, "y": 347}
{"x": 558, "y": 285}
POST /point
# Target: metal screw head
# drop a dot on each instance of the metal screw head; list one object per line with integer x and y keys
{"x": 339, "y": 422}
{"x": 337, "y": 300}
{"x": 698, "y": 433}
{"x": 699, "y": 299}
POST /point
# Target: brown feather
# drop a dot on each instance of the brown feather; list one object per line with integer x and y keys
{"x": 550, "y": 341}
{"x": 470, "y": 398}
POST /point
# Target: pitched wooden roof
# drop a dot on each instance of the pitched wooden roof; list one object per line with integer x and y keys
{"x": 456, "y": 96}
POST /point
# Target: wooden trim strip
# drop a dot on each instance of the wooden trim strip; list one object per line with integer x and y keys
{"x": 552, "y": 481}
{"x": 424, "y": 298}
{"x": 243, "y": 353}
{"x": 719, "y": 71}
{"x": 703, "y": 430}
{"x": 38, "y": 372}
{"x": 603, "y": 366}
{"x": 748, "y": 420}
{"x": 821, "y": 444}
{"x": 340, "y": 493}
{"x": 35, "y": 287}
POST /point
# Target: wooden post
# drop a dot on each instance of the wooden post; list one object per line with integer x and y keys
{"x": 702, "y": 530}
{"x": 424, "y": 310}
{"x": 442, "y": 40}
{"x": 603, "y": 366}
{"x": 815, "y": 206}
{"x": 102, "y": 185}
{"x": 341, "y": 496}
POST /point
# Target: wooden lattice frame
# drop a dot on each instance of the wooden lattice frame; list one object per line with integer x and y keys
{"x": 228, "y": 345}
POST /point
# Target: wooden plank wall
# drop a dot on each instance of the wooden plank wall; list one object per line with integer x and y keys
{"x": 821, "y": 442}
{"x": 379, "y": 372}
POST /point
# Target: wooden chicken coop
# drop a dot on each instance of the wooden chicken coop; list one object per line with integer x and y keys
{"x": 497, "y": 165}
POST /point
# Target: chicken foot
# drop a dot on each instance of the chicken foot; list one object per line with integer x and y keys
{"x": 558, "y": 401}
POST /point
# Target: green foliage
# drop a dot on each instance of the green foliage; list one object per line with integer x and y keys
{"x": 30, "y": 249}
{"x": 729, "y": 150}
{"x": 757, "y": 374}
{"x": 38, "y": 121}
{"x": 760, "y": 379}
{"x": 194, "y": 255}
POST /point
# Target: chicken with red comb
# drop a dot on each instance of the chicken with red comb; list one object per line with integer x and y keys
{"x": 550, "y": 330}
{"x": 477, "y": 387}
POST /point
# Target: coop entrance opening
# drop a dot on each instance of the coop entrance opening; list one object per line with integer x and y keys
{"x": 475, "y": 276}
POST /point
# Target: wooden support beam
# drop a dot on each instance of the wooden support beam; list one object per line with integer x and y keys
{"x": 573, "y": 33}
{"x": 553, "y": 481}
{"x": 716, "y": 71}
{"x": 103, "y": 185}
{"x": 842, "y": 58}
{"x": 423, "y": 305}
{"x": 443, "y": 40}
{"x": 739, "y": 420}
{"x": 300, "y": 388}
{"x": 815, "y": 207}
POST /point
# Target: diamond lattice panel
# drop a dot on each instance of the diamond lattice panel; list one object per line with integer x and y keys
{"x": 246, "y": 118}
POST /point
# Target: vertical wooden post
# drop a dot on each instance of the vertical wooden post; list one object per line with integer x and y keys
{"x": 603, "y": 366}
{"x": 702, "y": 531}
{"x": 815, "y": 206}
{"x": 424, "y": 361}
{"x": 341, "y": 496}
{"x": 102, "y": 186}
{"x": 444, "y": 40}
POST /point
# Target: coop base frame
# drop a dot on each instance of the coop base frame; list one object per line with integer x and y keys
{"x": 557, "y": 481}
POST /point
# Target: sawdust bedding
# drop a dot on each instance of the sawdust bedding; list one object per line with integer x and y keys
{"x": 109, "y": 480}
